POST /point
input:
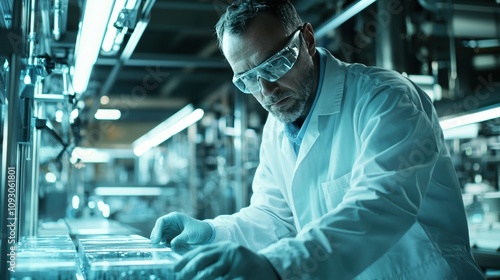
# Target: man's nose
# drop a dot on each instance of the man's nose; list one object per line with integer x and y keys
{"x": 267, "y": 87}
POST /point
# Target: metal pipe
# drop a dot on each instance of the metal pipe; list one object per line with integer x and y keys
{"x": 28, "y": 168}
{"x": 24, "y": 163}
{"x": 56, "y": 30}
{"x": 9, "y": 150}
{"x": 389, "y": 46}
{"x": 435, "y": 6}
{"x": 452, "y": 79}
{"x": 465, "y": 25}
{"x": 32, "y": 35}
{"x": 475, "y": 25}
{"x": 44, "y": 28}
{"x": 35, "y": 167}
{"x": 9, "y": 166}
{"x": 174, "y": 61}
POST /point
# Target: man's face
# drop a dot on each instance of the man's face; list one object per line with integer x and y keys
{"x": 286, "y": 98}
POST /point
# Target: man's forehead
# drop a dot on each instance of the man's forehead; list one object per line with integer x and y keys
{"x": 239, "y": 51}
{"x": 263, "y": 37}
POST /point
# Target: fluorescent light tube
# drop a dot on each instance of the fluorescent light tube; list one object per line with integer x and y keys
{"x": 168, "y": 128}
{"x": 480, "y": 116}
{"x": 339, "y": 19}
{"x": 109, "y": 39}
{"x": 462, "y": 132}
{"x": 91, "y": 33}
{"x": 108, "y": 114}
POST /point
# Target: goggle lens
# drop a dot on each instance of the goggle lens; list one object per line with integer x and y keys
{"x": 272, "y": 69}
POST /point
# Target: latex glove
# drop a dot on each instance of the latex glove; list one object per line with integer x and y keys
{"x": 226, "y": 260}
{"x": 180, "y": 230}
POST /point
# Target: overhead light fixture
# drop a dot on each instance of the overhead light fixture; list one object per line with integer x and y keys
{"x": 108, "y": 114}
{"x": 339, "y": 19}
{"x": 111, "y": 31}
{"x": 484, "y": 114}
{"x": 168, "y": 128}
{"x": 123, "y": 18}
{"x": 90, "y": 36}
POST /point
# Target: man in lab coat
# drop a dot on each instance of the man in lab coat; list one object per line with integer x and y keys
{"x": 354, "y": 180}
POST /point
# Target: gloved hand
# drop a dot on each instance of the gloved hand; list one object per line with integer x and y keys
{"x": 224, "y": 260}
{"x": 180, "y": 230}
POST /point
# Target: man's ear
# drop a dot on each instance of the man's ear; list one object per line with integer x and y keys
{"x": 308, "y": 33}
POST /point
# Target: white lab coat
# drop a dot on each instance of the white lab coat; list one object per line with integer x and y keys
{"x": 372, "y": 193}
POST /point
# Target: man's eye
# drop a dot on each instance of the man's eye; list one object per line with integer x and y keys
{"x": 273, "y": 64}
{"x": 249, "y": 77}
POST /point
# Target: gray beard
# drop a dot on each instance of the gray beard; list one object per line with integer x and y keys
{"x": 296, "y": 110}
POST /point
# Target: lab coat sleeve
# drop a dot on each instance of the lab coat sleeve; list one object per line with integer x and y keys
{"x": 397, "y": 153}
{"x": 267, "y": 219}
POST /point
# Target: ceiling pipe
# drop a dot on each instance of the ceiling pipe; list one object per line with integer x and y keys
{"x": 465, "y": 25}
{"x": 174, "y": 61}
{"x": 434, "y": 6}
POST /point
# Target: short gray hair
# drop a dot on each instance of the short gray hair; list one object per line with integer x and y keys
{"x": 240, "y": 14}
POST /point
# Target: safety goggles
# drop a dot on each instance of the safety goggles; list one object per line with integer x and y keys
{"x": 271, "y": 69}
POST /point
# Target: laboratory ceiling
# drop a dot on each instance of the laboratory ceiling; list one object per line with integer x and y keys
{"x": 176, "y": 62}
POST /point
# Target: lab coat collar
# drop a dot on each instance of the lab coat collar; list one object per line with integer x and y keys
{"x": 333, "y": 84}
{"x": 330, "y": 91}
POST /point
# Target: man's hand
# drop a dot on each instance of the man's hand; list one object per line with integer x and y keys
{"x": 180, "y": 230}
{"x": 225, "y": 260}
